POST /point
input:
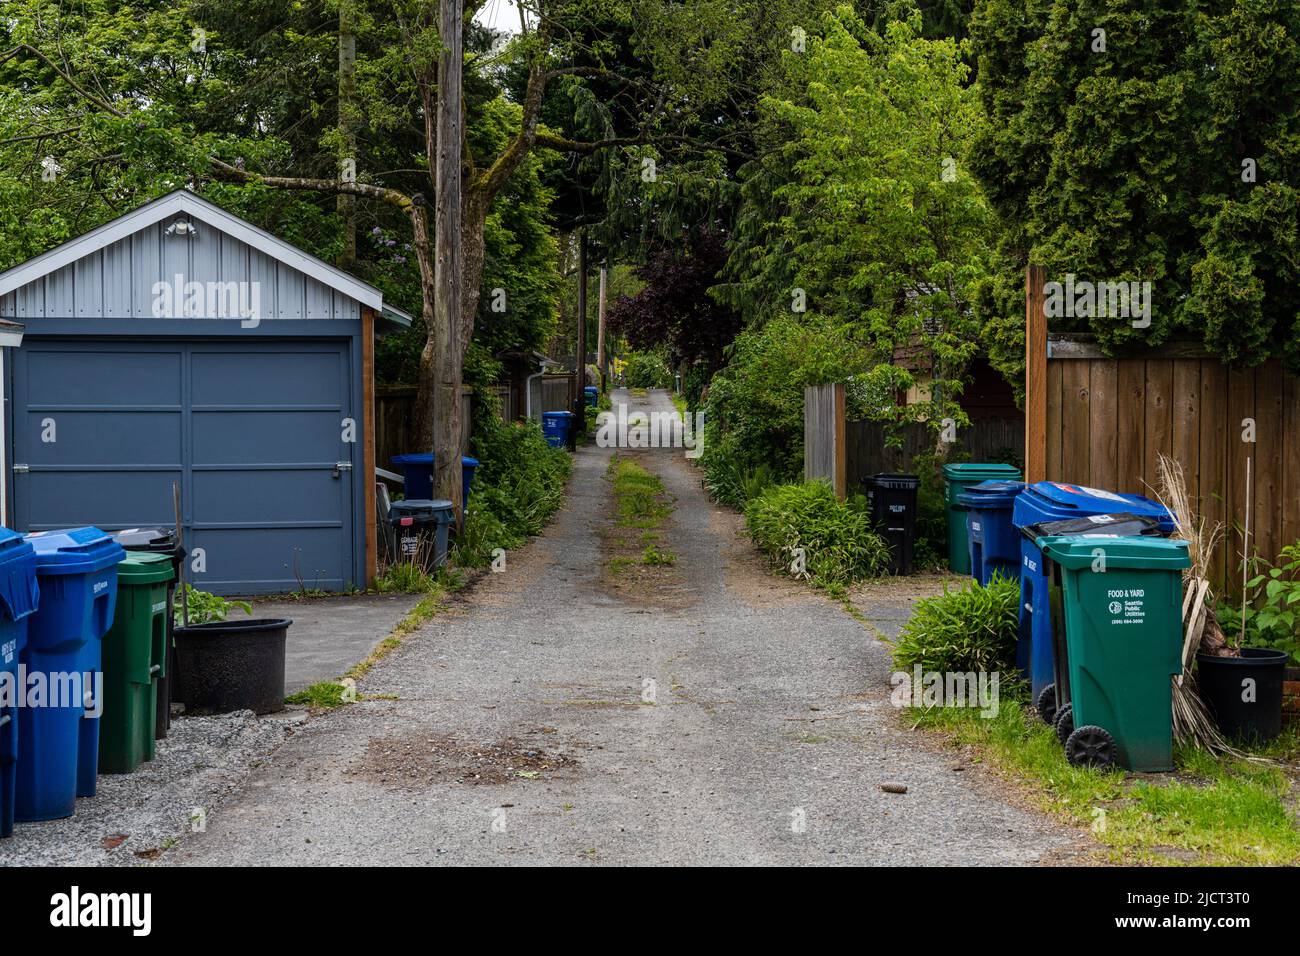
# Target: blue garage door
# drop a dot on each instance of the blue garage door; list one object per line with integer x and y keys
{"x": 252, "y": 431}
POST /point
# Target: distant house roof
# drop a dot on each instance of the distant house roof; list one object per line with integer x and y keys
{"x": 184, "y": 202}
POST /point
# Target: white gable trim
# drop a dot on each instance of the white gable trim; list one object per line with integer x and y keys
{"x": 184, "y": 202}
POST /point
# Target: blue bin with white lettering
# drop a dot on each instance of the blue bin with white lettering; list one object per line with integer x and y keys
{"x": 1058, "y": 501}
{"x": 58, "y": 747}
{"x": 19, "y": 596}
{"x": 993, "y": 540}
{"x": 555, "y": 428}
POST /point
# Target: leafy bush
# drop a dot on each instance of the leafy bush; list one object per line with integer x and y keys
{"x": 973, "y": 629}
{"x": 518, "y": 486}
{"x": 753, "y": 416}
{"x": 839, "y": 545}
{"x": 647, "y": 370}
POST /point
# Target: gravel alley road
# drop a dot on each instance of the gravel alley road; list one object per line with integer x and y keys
{"x": 717, "y": 715}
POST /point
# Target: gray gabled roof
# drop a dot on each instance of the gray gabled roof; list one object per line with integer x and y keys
{"x": 182, "y": 201}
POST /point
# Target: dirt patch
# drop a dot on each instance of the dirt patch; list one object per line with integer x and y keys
{"x": 642, "y": 565}
{"x": 415, "y": 762}
{"x": 747, "y": 575}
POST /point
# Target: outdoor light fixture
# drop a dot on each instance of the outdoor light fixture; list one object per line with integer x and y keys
{"x": 182, "y": 227}
{"x": 11, "y": 335}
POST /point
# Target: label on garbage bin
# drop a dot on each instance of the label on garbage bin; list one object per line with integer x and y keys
{"x": 1127, "y": 605}
{"x": 410, "y": 544}
{"x": 975, "y": 526}
{"x": 7, "y": 651}
{"x": 1092, "y": 492}
{"x": 160, "y": 607}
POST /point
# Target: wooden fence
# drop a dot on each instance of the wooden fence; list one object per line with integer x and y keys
{"x": 823, "y": 430}
{"x": 1103, "y": 422}
{"x": 551, "y": 393}
{"x": 394, "y": 416}
{"x": 985, "y": 439}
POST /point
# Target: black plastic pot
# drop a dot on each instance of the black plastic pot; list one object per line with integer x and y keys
{"x": 232, "y": 665}
{"x": 1244, "y": 711}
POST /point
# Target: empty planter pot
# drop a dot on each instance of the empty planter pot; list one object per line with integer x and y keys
{"x": 1244, "y": 694}
{"x": 232, "y": 665}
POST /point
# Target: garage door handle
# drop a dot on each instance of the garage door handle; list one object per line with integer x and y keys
{"x": 341, "y": 466}
{"x": 21, "y": 469}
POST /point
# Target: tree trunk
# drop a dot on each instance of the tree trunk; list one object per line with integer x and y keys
{"x": 445, "y": 334}
{"x": 346, "y": 204}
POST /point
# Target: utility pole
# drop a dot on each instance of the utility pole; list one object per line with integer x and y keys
{"x": 447, "y": 262}
{"x": 346, "y": 204}
{"x": 580, "y": 380}
{"x": 600, "y": 329}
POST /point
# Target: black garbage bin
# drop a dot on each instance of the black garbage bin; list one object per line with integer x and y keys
{"x": 421, "y": 526}
{"x": 161, "y": 541}
{"x": 893, "y": 511}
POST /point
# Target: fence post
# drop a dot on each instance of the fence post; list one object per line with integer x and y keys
{"x": 823, "y": 436}
{"x": 1035, "y": 376}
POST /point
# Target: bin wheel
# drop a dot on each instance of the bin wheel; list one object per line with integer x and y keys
{"x": 1046, "y": 704}
{"x": 1064, "y": 723}
{"x": 1090, "y": 746}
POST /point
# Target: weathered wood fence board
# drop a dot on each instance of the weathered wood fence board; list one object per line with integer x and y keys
{"x": 1109, "y": 420}
{"x": 551, "y": 393}
{"x": 824, "y": 435}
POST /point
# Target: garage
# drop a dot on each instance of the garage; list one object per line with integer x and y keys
{"x": 133, "y": 382}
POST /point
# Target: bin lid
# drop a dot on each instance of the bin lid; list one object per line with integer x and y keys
{"x": 1048, "y": 500}
{"x": 898, "y": 482}
{"x": 426, "y": 458}
{"x": 419, "y": 508}
{"x": 564, "y": 414}
{"x": 144, "y": 567}
{"x": 991, "y": 494}
{"x": 1120, "y": 524}
{"x": 1144, "y": 553}
{"x": 19, "y": 592}
{"x": 74, "y": 550}
{"x": 976, "y": 471}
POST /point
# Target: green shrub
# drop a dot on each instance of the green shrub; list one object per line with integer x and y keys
{"x": 404, "y": 577}
{"x": 839, "y": 545}
{"x": 753, "y": 414}
{"x": 647, "y": 370}
{"x": 519, "y": 484}
{"x": 973, "y": 629}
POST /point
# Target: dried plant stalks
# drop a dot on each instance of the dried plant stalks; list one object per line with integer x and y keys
{"x": 1193, "y": 724}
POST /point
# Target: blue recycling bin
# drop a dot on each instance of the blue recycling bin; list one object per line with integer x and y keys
{"x": 18, "y": 600}
{"x": 58, "y": 743}
{"x": 993, "y": 540}
{"x": 1058, "y": 501}
{"x": 592, "y": 394}
{"x": 417, "y": 474}
{"x": 555, "y": 428}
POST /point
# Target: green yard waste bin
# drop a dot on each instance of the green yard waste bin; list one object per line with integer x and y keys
{"x": 1122, "y": 608}
{"x": 135, "y": 656}
{"x": 957, "y": 478}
